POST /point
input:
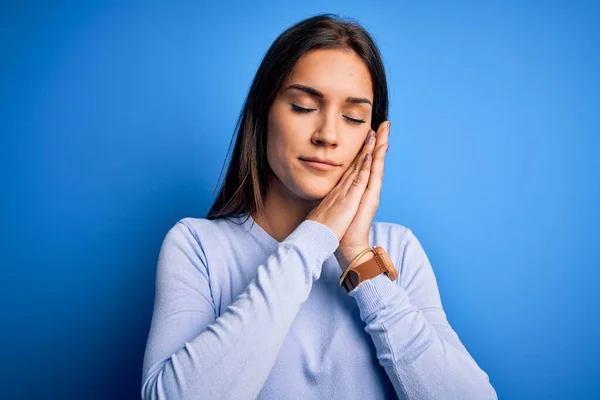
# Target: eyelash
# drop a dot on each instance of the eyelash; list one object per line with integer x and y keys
{"x": 299, "y": 109}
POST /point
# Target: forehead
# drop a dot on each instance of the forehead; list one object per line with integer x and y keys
{"x": 335, "y": 73}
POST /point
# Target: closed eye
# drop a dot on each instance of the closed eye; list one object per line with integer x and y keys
{"x": 355, "y": 121}
{"x": 302, "y": 109}
{"x": 299, "y": 109}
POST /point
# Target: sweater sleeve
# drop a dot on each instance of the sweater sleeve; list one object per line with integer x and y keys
{"x": 415, "y": 344}
{"x": 191, "y": 354}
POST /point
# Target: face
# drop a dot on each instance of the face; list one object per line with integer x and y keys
{"x": 323, "y": 111}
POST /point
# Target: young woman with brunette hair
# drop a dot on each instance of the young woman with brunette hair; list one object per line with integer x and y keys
{"x": 288, "y": 289}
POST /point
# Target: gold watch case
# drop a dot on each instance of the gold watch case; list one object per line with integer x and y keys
{"x": 379, "y": 264}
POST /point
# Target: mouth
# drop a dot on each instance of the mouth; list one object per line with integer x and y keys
{"x": 320, "y": 166}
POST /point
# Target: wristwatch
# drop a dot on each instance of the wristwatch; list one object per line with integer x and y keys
{"x": 355, "y": 274}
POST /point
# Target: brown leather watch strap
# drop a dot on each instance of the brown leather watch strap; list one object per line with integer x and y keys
{"x": 367, "y": 270}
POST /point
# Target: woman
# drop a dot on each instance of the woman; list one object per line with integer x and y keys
{"x": 252, "y": 300}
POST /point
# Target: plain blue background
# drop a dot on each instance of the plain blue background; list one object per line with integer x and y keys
{"x": 116, "y": 119}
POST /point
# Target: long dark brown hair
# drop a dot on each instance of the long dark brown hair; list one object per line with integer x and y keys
{"x": 245, "y": 184}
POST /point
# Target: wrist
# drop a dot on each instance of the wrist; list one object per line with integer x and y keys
{"x": 360, "y": 270}
{"x": 346, "y": 257}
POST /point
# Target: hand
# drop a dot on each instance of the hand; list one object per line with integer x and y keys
{"x": 339, "y": 207}
{"x": 356, "y": 238}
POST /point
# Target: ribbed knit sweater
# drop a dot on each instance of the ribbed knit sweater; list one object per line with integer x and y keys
{"x": 239, "y": 315}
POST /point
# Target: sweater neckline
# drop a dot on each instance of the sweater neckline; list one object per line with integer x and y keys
{"x": 257, "y": 231}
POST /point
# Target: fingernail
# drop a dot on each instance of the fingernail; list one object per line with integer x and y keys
{"x": 389, "y": 128}
{"x": 367, "y": 157}
{"x": 370, "y": 136}
{"x": 387, "y": 147}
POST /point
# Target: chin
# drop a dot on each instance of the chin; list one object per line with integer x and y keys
{"x": 308, "y": 187}
{"x": 314, "y": 190}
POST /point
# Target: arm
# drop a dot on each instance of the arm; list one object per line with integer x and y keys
{"x": 420, "y": 352}
{"x": 193, "y": 355}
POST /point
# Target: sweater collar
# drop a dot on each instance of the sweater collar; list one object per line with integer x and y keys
{"x": 256, "y": 231}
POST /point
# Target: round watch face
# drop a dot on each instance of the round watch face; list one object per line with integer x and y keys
{"x": 389, "y": 265}
{"x": 351, "y": 278}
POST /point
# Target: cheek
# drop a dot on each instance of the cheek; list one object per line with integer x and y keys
{"x": 273, "y": 152}
{"x": 355, "y": 148}
{"x": 282, "y": 133}
{"x": 273, "y": 128}
{"x": 277, "y": 145}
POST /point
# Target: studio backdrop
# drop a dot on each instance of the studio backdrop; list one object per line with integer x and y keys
{"x": 116, "y": 118}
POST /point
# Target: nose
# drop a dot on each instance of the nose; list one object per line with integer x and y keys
{"x": 326, "y": 133}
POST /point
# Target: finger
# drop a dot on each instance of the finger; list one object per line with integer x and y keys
{"x": 359, "y": 156}
{"x": 379, "y": 156}
{"x": 383, "y": 133}
{"x": 358, "y": 185}
{"x": 371, "y": 196}
{"x": 363, "y": 162}
{"x": 358, "y": 160}
{"x": 380, "y": 137}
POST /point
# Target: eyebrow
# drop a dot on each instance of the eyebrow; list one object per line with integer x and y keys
{"x": 314, "y": 92}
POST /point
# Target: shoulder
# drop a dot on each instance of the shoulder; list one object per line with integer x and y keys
{"x": 193, "y": 236}
{"x": 402, "y": 245}
{"x": 191, "y": 244}
{"x": 195, "y": 228}
{"x": 391, "y": 235}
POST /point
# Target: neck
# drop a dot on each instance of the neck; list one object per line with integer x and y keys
{"x": 283, "y": 210}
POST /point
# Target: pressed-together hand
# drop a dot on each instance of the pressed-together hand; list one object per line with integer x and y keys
{"x": 349, "y": 208}
{"x": 356, "y": 238}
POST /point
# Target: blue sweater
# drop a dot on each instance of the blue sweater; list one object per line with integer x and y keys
{"x": 239, "y": 315}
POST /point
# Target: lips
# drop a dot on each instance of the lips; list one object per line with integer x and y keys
{"x": 317, "y": 165}
{"x": 321, "y": 160}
